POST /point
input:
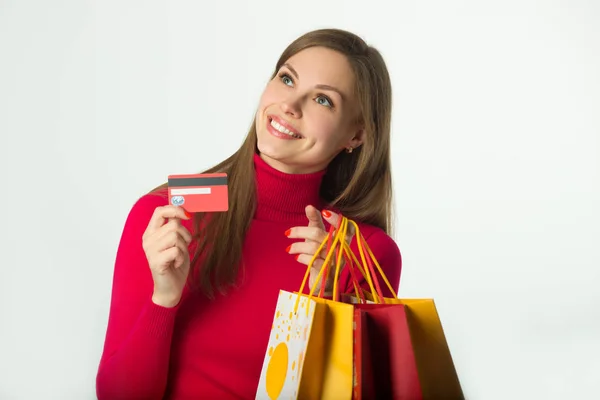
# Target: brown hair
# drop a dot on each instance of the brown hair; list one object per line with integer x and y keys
{"x": 359, "y": 184}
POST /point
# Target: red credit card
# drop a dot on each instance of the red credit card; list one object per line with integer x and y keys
{"x": 199, "y": 192}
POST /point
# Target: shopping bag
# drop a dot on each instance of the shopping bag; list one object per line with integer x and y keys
{"x": 337, "y": 353}
{"x": 393, "y": 362}
{"x": 363, "y": 383}
{"x": 363, "y": 373}
{"x": 419, "y": 364}
{"x": 435, "y": 366}
{"x": 384, "y": 361}
{"x": 315, "y": 360}
{"x": 287, "y": 349}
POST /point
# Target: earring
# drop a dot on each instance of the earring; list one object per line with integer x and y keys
{"x": 349, "y": 150}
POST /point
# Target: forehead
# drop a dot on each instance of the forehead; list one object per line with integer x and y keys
{"x": 323, "y": 66}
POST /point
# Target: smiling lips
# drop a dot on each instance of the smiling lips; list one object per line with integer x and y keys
{"x": 281, "y": 129}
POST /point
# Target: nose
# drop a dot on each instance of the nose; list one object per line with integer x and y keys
{"x": 292, "y": 106}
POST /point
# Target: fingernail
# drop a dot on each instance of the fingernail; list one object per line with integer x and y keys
{"x": 326, "y": 213}
{"x": 297, "y": 257}
{"x": 287, "y": 233}
{"x": 288, "y": 248}
{"x": 187, "y": 214}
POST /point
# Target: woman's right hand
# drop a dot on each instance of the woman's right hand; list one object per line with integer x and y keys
{"x": 165, "y": 243}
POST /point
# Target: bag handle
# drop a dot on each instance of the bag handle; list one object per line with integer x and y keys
{"x": 357, "y": 289}
{"x": 370, "y": 261}
{"x": 328, "y": 257}
{"x": 366, "y": 268}
{"x": 326, "y": 273}
{"x": 346, "y": 257}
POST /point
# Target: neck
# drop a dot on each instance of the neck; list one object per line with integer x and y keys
{"x": 283, "y": 196}
{"x": 291, "y": 169}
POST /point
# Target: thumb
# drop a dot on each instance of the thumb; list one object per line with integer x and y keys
{"x": 314, "y": 217}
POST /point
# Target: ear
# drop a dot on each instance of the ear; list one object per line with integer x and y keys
{"x": 358, "y": 138}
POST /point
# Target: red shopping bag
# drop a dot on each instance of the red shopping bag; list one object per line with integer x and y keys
{"x": 408, "y": 353}
{"x": 384, "y": 365}
{"x": 392, "y": 359}
{"x": 363, "y": 372}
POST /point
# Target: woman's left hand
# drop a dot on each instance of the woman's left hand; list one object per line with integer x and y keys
{"x": 314, "y": 234}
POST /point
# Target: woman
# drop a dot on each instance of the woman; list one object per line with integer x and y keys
{"x": 319, "y": 146}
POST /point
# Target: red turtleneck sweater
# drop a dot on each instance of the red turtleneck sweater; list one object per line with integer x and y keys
{"x": 204, "y": 349}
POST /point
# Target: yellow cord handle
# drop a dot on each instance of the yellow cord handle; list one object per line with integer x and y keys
{"x": 336, "y": 239}
{"x": 344, "y": 250}
{"x": 362, "y": 242}
{"x": 340, "y": 238}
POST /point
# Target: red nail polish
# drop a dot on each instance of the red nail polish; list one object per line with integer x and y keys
{"x": 288, "y": 248}
{"x": 297, "y": 257}
{"x": 326, "y": 213}
{"x": 287, "y": 233}
{"x": 187, "y": 214}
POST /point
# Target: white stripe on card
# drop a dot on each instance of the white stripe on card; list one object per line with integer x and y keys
{"x": 183, "y": 192}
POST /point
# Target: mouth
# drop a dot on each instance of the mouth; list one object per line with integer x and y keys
{"x": 280, "y": 128}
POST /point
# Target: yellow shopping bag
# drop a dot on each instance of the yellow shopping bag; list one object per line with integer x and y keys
{"x": 434, "y": 362}
{"x": 310, "y": 349}
{"x": 287, "y": 350}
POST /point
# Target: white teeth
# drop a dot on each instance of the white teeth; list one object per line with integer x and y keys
{"x": 282, "y": 129}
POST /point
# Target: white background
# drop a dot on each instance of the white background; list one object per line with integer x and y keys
{"x": 495, "y": 145}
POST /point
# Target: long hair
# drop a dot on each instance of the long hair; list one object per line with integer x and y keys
{"x": 357, "y": 184}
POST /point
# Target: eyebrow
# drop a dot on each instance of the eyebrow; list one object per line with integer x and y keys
{"x": 320, "y": 86}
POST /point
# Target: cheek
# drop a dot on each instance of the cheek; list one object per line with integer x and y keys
{"x": 269, "y": 96}
{"x": 327, "y": 129}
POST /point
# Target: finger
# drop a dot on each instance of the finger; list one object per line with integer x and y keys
{"x": 167, "y": 229}
{"x": 314, "y": 274}
{"x": 316, "y": 280}
{"x": 185, "y": 234}
{"x": 171, "y": 225}
{"x": 182, "y": 256}
{"x": 314, "y": 217}
{"x": 307, "y": 232}
{"x": 335, "y": 219}
{"x": 172, "y": 256}
{"x": 166, "y": 258}
{"x": 317, "y": 264}
{"x": 174, "y": 225}
{"x": 307, "y": 247}
{"x": 170, "y": 239}
{"x": 178, "y": 261}
{"x": 305, "y": 259}
{"x": 162, "y": 213}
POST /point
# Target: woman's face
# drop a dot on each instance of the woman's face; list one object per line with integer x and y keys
{"x": 307, "y": 113}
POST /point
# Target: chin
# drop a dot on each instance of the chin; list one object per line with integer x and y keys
{"x": 269, "y": 150}
{"x": 273, "y": 147}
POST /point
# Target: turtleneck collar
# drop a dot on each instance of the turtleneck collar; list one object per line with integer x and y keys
{"x": 283, "y": 197}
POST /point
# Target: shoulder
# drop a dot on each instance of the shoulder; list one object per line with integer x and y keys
{"x": 143, "y": 208}
{"x": 378, "y": 239}
{"x": 149, "y": 202}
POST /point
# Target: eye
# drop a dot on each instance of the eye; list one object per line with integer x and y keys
{"x": 286, "y": 79}
{"x": 324, "y": 101}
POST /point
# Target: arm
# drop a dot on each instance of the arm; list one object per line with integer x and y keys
{"x": 135, "y": 359}
{"x": 388, "y": 256}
